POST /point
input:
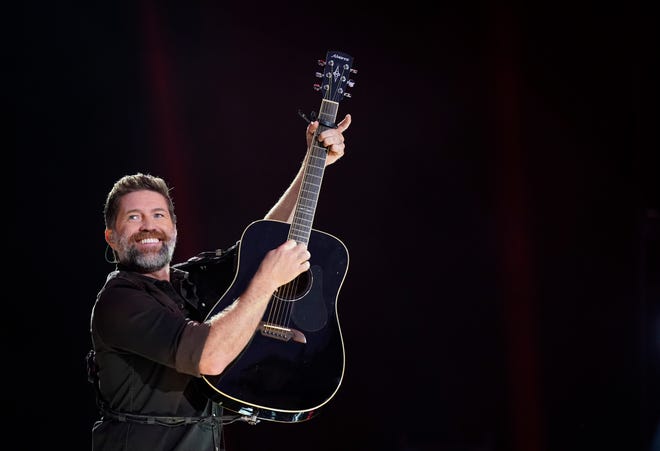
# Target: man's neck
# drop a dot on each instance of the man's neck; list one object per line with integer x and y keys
{"x": 161, "y": 274}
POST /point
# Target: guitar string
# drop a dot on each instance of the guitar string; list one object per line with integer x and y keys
{"x": 278, "y": 311}
{"x": 282, "y": 307}
{"x": 293, "y": 286}
{"x": 283, "y": 292}
{"x": 313, "y": 176}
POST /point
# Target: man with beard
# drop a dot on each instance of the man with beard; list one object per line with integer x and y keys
{"x": 150, "y": 343}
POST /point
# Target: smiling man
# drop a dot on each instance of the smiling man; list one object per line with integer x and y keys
{"x": 151, "y": 342}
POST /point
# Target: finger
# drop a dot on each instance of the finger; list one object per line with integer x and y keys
{"x": 311, "y": 128}
{"x": 290, "y": 244}
{"x": 330, "y": 137}
{"x": 344, "y": 124}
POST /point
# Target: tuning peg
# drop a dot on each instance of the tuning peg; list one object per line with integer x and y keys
{"x": 347, "y": 94}
{"x": 353, "y": 71}
{"x": 350, "y": 83}
{"x": 321, "y": 62}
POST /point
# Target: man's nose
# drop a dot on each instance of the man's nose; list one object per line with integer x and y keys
{"x": 147, "y": 223}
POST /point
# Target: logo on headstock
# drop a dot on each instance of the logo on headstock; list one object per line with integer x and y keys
{"x": 341, "y": 57}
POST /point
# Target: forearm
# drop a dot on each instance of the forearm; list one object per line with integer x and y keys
{"x": 232, "y": 329}
{"x": 331, "y": 139}
{"x": 283, "y": 208}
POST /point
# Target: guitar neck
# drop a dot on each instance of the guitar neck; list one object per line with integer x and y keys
{"x": 313, "y": 170}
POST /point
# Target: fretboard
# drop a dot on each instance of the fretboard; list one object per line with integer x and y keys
{"x": 313, "y": 169}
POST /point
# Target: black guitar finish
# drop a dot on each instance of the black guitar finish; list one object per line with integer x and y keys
{"x": 294, "y": 363}
{"x": 282, "y": 379}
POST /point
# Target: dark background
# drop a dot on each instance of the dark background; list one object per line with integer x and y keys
{"x": 498, "y": 198}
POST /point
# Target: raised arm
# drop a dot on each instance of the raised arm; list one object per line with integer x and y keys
{"x": 333, "y": 140}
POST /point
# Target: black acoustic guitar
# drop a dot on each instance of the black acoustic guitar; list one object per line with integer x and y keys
{"x": 294, "y": 363}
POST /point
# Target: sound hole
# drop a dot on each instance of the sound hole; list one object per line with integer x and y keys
{"x": 296, "y": 289}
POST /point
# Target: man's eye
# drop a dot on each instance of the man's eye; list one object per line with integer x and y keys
{"x": 133, "y": 217}
{"x": 159, "y": 215}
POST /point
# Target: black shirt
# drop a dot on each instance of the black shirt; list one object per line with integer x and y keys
{"x": 148, "y": 340}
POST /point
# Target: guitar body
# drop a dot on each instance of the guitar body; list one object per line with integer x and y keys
{"x": 294, "y": 364}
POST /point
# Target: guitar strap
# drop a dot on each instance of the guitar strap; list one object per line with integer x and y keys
{"x": 209, "y": 274}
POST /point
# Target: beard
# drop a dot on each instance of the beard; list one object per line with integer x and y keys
{"x": 146, "y": 261}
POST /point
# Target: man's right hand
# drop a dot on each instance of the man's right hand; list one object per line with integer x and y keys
{"x": 284, "y": 263}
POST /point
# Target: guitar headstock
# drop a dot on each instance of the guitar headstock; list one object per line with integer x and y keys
{"x": 337, "y": 69}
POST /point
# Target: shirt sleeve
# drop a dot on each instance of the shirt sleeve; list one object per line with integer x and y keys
{"x": 136, "y": 317}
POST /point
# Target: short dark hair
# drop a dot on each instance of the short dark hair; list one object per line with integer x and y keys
{"x": 131, "y": 183}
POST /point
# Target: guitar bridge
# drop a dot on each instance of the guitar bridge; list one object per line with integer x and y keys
{"x": 281, "y": 333}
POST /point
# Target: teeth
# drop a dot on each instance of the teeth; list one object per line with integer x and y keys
{"x": 149, "y": 240}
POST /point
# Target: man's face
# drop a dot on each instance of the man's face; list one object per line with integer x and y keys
{"x": 144, "y": 236}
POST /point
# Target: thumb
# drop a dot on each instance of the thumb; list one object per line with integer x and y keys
{"x": 344, "y": 124}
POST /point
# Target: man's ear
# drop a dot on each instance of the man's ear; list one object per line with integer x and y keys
{"x": 109, "y": 237}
